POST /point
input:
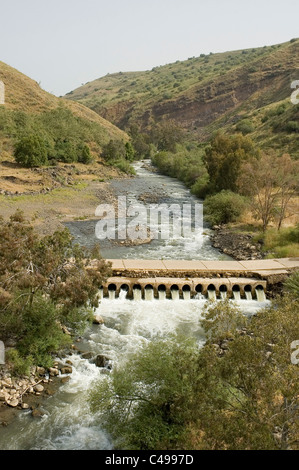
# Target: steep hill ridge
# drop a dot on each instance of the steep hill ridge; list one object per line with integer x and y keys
{"x": 201, "y": 94}
{"x": 24, "y": 94}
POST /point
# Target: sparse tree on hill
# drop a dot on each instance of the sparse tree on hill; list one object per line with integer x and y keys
{"x": 271, "y": 182}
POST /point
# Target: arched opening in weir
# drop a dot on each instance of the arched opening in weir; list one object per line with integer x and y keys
{"x": 248, "y": 292}
{"x": 223, "y": 291}
{"x": 175, "y": 292}
{"x": 186, "y": 292}
{"x": 148, "y": 292}
{"x": 137, "y": 292}
{"x": 162, "y": 292}
{"x": 212, "y": 292}
{"x": 111, "y": 291}
{"x": 260, "y": 293}
{"x": 236, "y": 292}
{"x": 198, "y": 290}
{"x": 124, "y": 289}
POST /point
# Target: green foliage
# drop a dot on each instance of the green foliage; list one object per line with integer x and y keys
{"x": 20, "y": 365}
{"x": 283, "y": 243}
{"x": 224, "y": 207}
{"x": 31, "y": 150}
{"x": 146, "y": 403}
{"x": 44, "y": 283}
{"x": 166, "y": 135}
{"x": 42, "y": 334}
{"x": 223, "y": 160}
{"x": 186, "y": 165}
{"x": 221, "y": 322}
{"x": 56, "y": 135}
{"x": 124, "y": 165}
{"x": 245, "y": 126}
{"x": 172, "y": 395}
{"x": 253, "y": 387}
{"x": 130, "y": 152}
{"x": 292, "y": 284}
{"x": 114, "y": 150}
{"x": 140, "y": 141}
{"x": 292, "y": 126}
{"x": 84, "y": 155}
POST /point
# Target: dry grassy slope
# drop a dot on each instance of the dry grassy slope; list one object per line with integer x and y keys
{"x": 203, "y": 90}
{"x": 24, "y": 94}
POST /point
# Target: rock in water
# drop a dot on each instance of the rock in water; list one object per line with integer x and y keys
{"x": 98, "y": 320}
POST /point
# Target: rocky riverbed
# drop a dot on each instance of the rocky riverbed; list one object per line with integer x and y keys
{"x": 239, "y": 246}
{"x": 26, "y": 392}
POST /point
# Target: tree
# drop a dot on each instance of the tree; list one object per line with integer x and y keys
{"x": 240, "y": 391}
{"x": 253, "y": 387}
{"x": 224, "y": 207}
{"x": 288, "y": 183}
{"x": 147, "y": 403}
{"x": 223, "y": 160}
{"x": 114, "y": 150}
{"x": 271, "y": 182}
{"x": 44, "y": 283}
{"x": 140, "y": 142}
{"x": 130, "y": 153}
{"x": 65, "y": 151}
{"x": 84, "y": 155}
{"x": 31, "y": 150}
{"x": 166, "y": 135}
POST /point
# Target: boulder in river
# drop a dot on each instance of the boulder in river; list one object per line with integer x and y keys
{"x": 101, "y": 361}
{"x": 98, "y": 320}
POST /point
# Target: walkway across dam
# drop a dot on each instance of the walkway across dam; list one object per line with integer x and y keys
{"x": 188, "y": 278}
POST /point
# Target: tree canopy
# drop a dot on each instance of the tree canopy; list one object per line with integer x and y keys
{"x": 45, "y": 283}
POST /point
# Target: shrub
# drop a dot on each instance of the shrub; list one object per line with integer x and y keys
{"x": 245, "y": 126}
{"x": 292, "y": 126}
{"x": 20, "y": 365}
{"x": 84, "y": 155}
{"x": 224, "y": 207}
{"x": 31, "y": 151}
{"x": 292, "y": 284}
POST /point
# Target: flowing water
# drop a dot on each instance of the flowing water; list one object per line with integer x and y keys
{"x": 67, "y": 423}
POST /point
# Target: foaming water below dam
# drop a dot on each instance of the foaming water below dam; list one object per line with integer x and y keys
{"x": 67, "y": 423}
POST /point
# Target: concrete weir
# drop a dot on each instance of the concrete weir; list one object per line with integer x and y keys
{"x": 195, "y": 287}
{"x": 188, "y": 279}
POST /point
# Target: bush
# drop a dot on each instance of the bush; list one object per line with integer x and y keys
{"x": 283, "y": 243}
{"x": 84, "y": 155}
{"x": 224, "y": 207}
{"x": 20, "y": 365}
{"x": 31, "y": 151}
{"x": 124, "y": 165}
{"x": 292, "y": 126}
{"x": 245, "y": 126}
{"x": 292, "y": 284}
{"x": 45, "y": 283}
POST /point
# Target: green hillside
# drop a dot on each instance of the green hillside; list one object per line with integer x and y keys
{"x": 30, "y": 110}
{"x": 206, "y": 93}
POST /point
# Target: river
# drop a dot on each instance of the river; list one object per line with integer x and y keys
{"x": 67, "y": 423}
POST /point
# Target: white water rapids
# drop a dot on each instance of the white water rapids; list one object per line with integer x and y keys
{"x": 67, "y": 423}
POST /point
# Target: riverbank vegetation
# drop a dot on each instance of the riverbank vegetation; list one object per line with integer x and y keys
{"x": 46, "y": 289}
{"x": 239, "y": 182}
{"x": 238, "y": 392}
